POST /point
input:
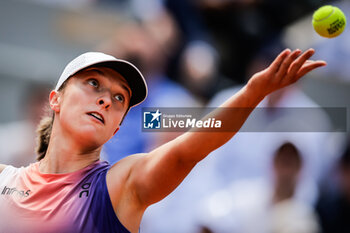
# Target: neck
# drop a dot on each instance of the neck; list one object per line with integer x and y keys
{"x": 51, "y": 164}
{"x": 64, "y": 155}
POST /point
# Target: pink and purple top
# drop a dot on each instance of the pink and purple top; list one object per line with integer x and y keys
{"x": 34, "y": 202}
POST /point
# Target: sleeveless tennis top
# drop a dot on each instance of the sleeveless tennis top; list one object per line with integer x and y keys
{"x": 75, "y": 202}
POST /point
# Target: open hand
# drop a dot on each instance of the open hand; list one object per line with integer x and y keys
{"x": 287, "y": 68}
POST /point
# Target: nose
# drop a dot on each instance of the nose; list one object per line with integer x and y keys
{"x": 104, "y": 102}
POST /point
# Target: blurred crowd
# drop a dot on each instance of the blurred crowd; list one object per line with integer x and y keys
{"x": 198, "y": 53}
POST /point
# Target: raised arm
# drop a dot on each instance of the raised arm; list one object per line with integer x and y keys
{"x": 156, "y": 174}
{"x": 163, "y": 169}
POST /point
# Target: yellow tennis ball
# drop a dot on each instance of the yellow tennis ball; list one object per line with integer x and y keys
{"x": 329, "y": 21}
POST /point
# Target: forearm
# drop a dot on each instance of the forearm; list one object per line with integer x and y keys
{"x": 286, "y": 69}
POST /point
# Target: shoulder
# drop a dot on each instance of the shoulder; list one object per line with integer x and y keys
{"x": 2, "y": 167}
{"x": 123, "y": 167}
{"x": 120, "y": 175}
{"x": 122, "y": 192}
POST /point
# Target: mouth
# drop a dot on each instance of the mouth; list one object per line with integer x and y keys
{"x": 97, "y": 116}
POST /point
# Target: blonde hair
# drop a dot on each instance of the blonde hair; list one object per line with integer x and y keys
{"x": 43, "y": 136}
{"x": 44, "y": 130}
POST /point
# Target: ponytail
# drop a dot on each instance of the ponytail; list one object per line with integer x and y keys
{"x": 43, "y": 136}
{"x": 44, "y": 130}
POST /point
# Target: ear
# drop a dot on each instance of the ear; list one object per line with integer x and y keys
{"x": 116, "y": 130}
{"x": 54, "y": 101}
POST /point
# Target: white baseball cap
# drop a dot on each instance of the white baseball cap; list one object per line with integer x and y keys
{"x": 132, "y": 75}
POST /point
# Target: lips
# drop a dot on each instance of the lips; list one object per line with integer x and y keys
{"x": 97, "y": 116}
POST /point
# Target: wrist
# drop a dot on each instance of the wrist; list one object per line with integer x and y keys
{"x": 253, "y": 95}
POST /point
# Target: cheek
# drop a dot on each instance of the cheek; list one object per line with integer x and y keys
{"x": 114, "y": 119}
{"x": 115, "y": 122}
{"x": 76, "y": 97}
{"x": 69, "y": 109}
{"x": 72, "y": 108}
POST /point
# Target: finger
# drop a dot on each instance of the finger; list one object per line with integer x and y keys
{"x": 307, "y": 62}
{"x": 298, "y": 63}
{"x": 287, "y": 62}
{"x": 308, "y": 68}
{"x": 279, "y": 59}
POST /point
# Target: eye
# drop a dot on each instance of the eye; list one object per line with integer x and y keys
{"x": 119, "y": 98}
{"x": 93, "y": 82}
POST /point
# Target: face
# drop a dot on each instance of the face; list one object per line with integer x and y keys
{"x": 91, "y": 106}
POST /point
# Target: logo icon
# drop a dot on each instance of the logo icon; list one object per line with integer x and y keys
{"x": 85, "y": 191}
{"x": 152, "y": 120}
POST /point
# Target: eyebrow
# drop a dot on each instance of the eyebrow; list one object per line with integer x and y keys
{"x": 103, "y": 74}
{"x": 127, "y": 89}
{"x": 97, "y": 71}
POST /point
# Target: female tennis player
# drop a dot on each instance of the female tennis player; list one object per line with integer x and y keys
{"x": 70, "y": 190}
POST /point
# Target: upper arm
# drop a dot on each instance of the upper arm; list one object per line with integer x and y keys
{"x": 2, "y": 167}
{"x": 148, "y": 178}
{"x": 123, "y": 194}
{"x": 158, "y": 173}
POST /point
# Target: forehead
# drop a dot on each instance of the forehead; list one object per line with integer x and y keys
{"x": 108, "y": 73}
{"x": 104, "y": 71}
